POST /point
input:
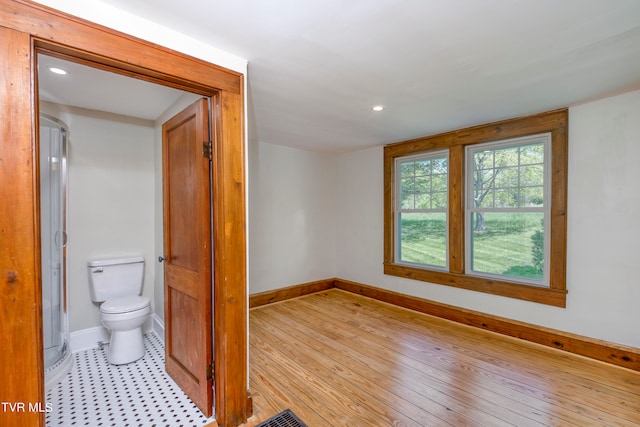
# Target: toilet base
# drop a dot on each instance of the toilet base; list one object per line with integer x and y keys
{"x": 125, "y": 346}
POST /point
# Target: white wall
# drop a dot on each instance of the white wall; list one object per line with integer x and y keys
{"x": 604, "y": 219}
{"x": 291, "y": 216}
{"x": 111, "y": 179}
{"x": 603, "y": 229}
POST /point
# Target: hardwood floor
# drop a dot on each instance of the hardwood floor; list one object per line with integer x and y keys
{"x": 340, "y": 359}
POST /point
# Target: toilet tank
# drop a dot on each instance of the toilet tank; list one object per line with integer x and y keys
{"x": 116, "y": 277}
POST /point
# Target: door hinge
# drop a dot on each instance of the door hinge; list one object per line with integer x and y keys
{"x": 211, "y": 372}
{"x": 207, "y": 149}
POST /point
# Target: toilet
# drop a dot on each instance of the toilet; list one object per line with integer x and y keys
{"x": 117, "y": 284}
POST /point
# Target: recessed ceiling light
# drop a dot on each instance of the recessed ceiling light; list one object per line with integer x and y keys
{"x": 377, "y": 108}
{"x": 57, "y": 70}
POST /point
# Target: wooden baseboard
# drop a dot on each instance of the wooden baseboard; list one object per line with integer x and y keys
{"x": 619, "y": 355}
{"x": 627, "y": 357}
{"x": 268, "y": 297}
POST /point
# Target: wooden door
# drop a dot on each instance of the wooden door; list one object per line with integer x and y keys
{"x": 187, "y": 252}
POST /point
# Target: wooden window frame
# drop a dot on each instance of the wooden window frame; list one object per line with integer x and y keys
{"x": 553, "y": 122}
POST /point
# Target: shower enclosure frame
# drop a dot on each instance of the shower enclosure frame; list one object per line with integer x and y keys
{"x": 53, "y": 150}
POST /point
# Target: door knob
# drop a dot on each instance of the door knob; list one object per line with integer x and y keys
{"x": 162, "y": 258}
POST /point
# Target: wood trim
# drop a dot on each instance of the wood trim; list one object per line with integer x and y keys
{"x": 548, "y": 296}
{"x": 283, "y": 294}
{"x": 512, "y": 128}
{"x": 435, "y": 142}
{"x": 20, "y": 331}
{"x": 230, "y": 263}
{"x": 456, "y": 210}
{"x": 21, "y": 365}
{"x": 75, "y": 37}
{"x": 627, "y": 357}
{"x": 389, "y": 213}
{"x": 558, "y": 220}
{"x": 615, "y": 354}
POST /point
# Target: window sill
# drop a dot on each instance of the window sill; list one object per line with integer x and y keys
{"x": 548, "y": 296}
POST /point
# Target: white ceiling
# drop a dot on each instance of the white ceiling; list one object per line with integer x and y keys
{"x": 101, "y": 90}
{"x": 316, "y": 67}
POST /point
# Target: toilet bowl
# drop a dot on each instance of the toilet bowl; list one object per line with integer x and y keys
{"x": 117, "y": 284}
{"x": 124, "y": 317}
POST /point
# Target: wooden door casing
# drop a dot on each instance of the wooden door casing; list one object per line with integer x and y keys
{"x": 20, "y": 287}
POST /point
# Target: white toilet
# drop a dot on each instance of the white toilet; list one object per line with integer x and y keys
{"x": 117, "y": 283}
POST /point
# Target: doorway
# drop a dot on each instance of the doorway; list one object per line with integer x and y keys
{"x": 116, "y": 183}
{"x": 25, "y": 27}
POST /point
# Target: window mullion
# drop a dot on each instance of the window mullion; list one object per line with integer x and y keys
{"x": 456, "y": 209}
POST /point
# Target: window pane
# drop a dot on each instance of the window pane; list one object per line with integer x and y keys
{"x": 484, "y": 199}
{"x": 483, "y": 160}
{"x": 439, "y": 182}
{"x": 419, "y": 180}
{"x": 507, "y": 243}
{"x": 423, "y": 168}
{"x": 423, "y": 184}
{"x": 531, "y": 175}
{"x": 531, "y": 154}
{"x": 407, "y": 169}
{"x": 440, "y": 165}
{"x": 423, "y": 201}
{"x": 423, "y": 188}
{"x": 531, "y": 197}
{"x": 439, "y": 200}
{"x": 506, "y": 198}
{"x": 407, "y": 201}
{"x": 423, "y": 238}
{"x": 508, "y": 178}
{"x": 407, "y": 185}
{"x": 506, "y": 157}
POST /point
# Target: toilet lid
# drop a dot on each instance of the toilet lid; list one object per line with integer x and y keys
{"x": 124, "y": 304}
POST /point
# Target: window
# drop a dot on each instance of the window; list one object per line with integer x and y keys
{"x": 482, "y": 208}
{"x": 506, "y": 212}
{"x": 422, "y": 209}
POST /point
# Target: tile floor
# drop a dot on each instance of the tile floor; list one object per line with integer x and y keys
{"x": 96, "y": 393}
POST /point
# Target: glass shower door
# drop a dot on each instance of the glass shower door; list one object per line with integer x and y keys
{"x": 53, "y": 244}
